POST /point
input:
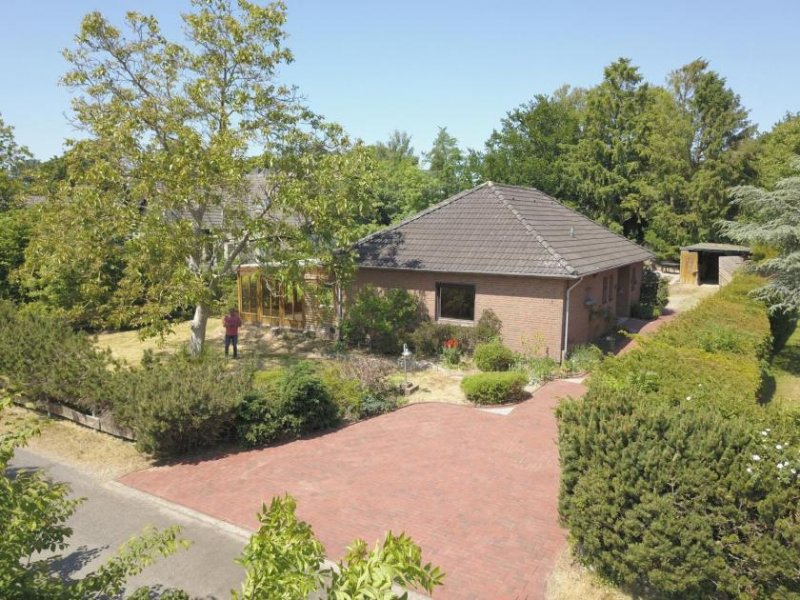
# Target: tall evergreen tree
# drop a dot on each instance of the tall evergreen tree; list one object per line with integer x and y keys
{"x": 776, "y": 150}
{"x": 447, "y": 165}
{"x": 606, "y": 169}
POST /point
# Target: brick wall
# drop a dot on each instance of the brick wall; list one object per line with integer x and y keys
{"x": 589, "y": 321}
{"x": 530, "y": 308}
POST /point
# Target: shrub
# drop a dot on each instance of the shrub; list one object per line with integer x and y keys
{"x": 583, "y": 358}
{"x": 305, "y": 402}
{"x": 259, "y": 419}
{"x": 494, "y": 388}
{"x": 358, "y": 386}
{"x": 540, "y": 368}
{"x": 653, "y": 297}
{"x": 46, "y": 360}
{"x": 674, "y": 481}
{"x": 451, "y": 352}
{"x": 493, "y": 356}
{"x": 428, "y": 338}
{"x": 488, "y": 327}
{"x": 380, "y": 321}
{"x": 180, "y": 404}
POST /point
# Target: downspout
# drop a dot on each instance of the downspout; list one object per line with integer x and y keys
{"x": 566, "y": 318}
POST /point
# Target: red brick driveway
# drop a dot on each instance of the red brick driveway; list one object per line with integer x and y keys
{"x": 478, "y": 491}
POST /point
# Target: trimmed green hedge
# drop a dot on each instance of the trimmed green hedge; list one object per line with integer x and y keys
{"x": 494, "y": 388}
{"x": 674, "y": 480}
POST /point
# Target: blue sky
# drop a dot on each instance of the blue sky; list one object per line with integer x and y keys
{"x": 375, "y": 66}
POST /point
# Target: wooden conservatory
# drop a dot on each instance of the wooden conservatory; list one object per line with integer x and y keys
{"x": 264, "y": 301}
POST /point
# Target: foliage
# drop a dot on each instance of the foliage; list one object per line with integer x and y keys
{"x": 772, "y": 218}
{"x": 583, "y": 358}
{"x": 15, "y": 233}
{"x": 258, "y": 416}
{"x": 529, "y": 148}
{"x": 653, "y": 295}
{"x": 358, "y": 386}
{"x": 180, "y": 404}
{"x": 448, "y": 166}
{"x": 33, "y": 517}
{"x": 451, "y": 352}
{"x": 493, "y": 356}
{"x": 675, "y": 482}
{"x": 428, "y": 338}
{"x": 173, "y": 122}
{"x": 46, "y": 360}
{"x": 305, "y": 402}
{"x": 777, "y": 150}
{"x": 380, "y": 321}
{"x": 494, "y": 388}
{"x": 489, "y": 327}
{"x": 12, "y": 159}
{"x": 539, "y": 368}
{"x": 284, "y": 561}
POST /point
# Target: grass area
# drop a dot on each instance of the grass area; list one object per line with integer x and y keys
{"x": 786, "y": 369}
{"x": 570, "y": 580}
{"x": 100, "y": 454}
{"x": 256, "y": 343}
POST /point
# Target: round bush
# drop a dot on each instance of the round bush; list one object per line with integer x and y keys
{"x": 494, "y": 388}
{"x": 493, "y": 356}
{"x": 306, "y": 403}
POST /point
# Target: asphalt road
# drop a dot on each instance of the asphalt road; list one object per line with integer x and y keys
{"x": 112, "y": 514}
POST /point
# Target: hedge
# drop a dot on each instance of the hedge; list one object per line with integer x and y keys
{"x": 675, "y": 482}
{"x": 494, "y": 388}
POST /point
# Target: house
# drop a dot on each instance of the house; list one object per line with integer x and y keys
{"x": 554, "y": 277}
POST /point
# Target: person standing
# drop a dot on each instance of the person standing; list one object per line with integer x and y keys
{"x": 232, "y": 322}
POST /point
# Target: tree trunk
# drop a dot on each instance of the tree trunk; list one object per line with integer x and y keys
{"x": 198, "y": 327}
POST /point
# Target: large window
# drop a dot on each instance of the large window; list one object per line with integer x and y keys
{"x": 455, "y": 301}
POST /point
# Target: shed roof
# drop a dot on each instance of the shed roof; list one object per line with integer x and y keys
{"x": 718, "y": 248}
{"x": 502, "y": 230}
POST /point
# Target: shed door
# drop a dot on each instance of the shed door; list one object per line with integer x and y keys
{"x": 689, "y": 267}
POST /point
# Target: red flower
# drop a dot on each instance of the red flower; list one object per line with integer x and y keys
{"x": 451, "y": 343}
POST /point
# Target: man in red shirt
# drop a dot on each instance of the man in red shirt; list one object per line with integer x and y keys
{"x": 232, "y": 322}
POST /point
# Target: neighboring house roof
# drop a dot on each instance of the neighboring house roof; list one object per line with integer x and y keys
{"x": 718, "y": 248}
{"x": 502, "y": 230}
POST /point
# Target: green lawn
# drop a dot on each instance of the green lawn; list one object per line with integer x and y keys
{"x": 786, "y": 368}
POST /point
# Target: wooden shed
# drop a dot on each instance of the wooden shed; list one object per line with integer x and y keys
{"x": 711, "y": 263}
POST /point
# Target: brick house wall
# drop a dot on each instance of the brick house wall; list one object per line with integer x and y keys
{"x": 591, "y": 316}
{"x": 530, "y": 308}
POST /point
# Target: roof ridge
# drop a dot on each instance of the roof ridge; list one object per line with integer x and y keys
{"x": 576, "y": 211}
{"x": 531, "y": 230}
{"x": 422, "y": 213}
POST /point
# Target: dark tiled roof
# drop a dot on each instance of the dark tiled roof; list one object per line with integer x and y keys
{"x": 499, "y": 229}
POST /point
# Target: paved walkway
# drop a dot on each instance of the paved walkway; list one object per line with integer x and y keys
{"x": 478, "y": 491}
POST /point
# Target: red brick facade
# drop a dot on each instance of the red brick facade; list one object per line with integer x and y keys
{"x": 531, "y": 308}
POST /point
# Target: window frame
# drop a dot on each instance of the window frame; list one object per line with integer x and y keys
{"x": 465, "y": 286}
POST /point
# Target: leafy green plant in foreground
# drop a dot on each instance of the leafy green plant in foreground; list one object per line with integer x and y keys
{"x": 285, "y": 561}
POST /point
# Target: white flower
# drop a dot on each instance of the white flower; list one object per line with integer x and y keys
{"x": 763, "y": 433}
{"x": 749, "y": 470}
{"x": 794, "y": 471}
{"x": 780, "y": 465}
{"x": 768, "y": 429}
{"x": 778, "y": 447}
{"x": 756, "y": 457}
{"x": 688, "y": 397}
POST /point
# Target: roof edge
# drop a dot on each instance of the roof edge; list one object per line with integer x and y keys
{"x": 467, "y": 272}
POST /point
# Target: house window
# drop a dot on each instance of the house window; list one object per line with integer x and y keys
{"x": 249, "y": 293}
{"x": 455, "y": 301}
